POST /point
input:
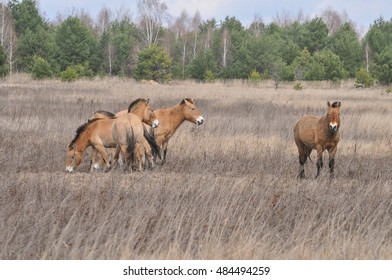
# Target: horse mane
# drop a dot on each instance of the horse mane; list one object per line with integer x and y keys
{"x": 80, "y": 130}
{"x": 136, "y": 103}
{"x": 188, "y": 100}
{"x": 336, "y": 104}
{"x": 105, "y": 113}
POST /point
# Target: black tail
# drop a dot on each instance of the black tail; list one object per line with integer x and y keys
{"x": 151, "y": 141}
{"x": 131, "y": 145}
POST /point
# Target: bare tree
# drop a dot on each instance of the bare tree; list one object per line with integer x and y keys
{"x": 257, "y": 26}
{"x": 8, "y": 37}
{"x": 333, "y": 19}
{"x": 196, "y": 20}
{"x": 285, "y": 18}
{"x": 153, "y": 14}
{"x": 104, "y": 20}
{"x": 225, "y": 46}
{"x": 181, "y": 27}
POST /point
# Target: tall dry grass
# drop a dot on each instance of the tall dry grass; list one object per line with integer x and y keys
{"x": 228, "y": 189}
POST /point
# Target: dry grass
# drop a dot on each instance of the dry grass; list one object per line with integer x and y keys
{"x": 228, "y": 190}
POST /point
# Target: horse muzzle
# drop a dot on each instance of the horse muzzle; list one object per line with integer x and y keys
{"x": 69, "y": 169}
{"x": 333, "y": 127}
{"x": 200, "y": 120}
{"x": 155, "y": 123}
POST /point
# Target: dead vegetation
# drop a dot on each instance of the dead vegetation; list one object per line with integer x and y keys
{"x": 228, "y": 189}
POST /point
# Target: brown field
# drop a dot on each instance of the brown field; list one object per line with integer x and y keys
{"x": 228, "y": 189}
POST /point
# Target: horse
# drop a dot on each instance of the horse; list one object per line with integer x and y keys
{"x": 132, "y": 140}
{"x": 96, "y": 133}
{"x": 171, "y": 118}
{"x": 139, "y": 107}
{"x": 319, "y": 133}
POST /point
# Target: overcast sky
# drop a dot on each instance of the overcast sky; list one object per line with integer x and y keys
{"x": 361, "y": 12}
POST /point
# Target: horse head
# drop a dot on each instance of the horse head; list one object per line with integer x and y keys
{"x": 142, "y": 108}
{"x": 191, "y": 112}
{"x": 333, "y": 116}
{"x": 73, "y": 159}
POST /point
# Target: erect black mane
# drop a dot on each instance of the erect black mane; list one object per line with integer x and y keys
{"x": 79, "y": 131}
{"x": 190, "y": 100}
{"x": 336, "y": 104}
{"x": 136, "y": 103}
{"x": 105, "y": 113}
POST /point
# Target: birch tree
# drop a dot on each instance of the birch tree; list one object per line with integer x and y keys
{"x": 152, "y": 15}
{"x": 8, "y": 39}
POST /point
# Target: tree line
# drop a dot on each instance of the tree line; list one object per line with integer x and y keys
{"x": 157, "y": 46}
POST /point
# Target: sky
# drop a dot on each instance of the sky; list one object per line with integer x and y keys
{"x": 361, "y": 12}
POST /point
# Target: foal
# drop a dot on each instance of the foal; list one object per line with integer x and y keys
{"x": 318, "y": 133}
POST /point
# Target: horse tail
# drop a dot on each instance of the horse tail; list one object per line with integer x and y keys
{"x": 131, "y": 144}
{"x": 151, "y": 141}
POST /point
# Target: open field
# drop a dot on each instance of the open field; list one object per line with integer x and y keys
{"x": 228, "y": 189}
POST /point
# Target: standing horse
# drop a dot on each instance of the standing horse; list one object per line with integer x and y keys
{"x": 142, "y": 109}
{"x": 96, "y": 133}
{"x": 132, "y": 140}
{"x": 319, "y": 133}
{"x": 171, "y": 118}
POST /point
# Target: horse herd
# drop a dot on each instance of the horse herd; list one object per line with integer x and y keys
{"x": 141, "y": 133}
{"x": 137, "y": 133}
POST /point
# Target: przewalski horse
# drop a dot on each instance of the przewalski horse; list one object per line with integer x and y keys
{"x": 96, "y": 133}
{"x": 318, "y": 133}
{"x": 171, "y": 118}
{"x": 142, "y": 109}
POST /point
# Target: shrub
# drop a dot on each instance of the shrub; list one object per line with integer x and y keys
{"x": 298, "y": 86}
{"x": 3, "y": 63}
{"x": 363, "y": 78}
{"x": 69, "y": 75}
{"x": 209, "y": 76}
{"x": 254, "y": 76}
{"x": 75, "y": 72}
{"x": 40, "y": 68}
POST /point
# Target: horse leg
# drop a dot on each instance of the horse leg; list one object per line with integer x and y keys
{"x": 319, "y": 160}
{"x": 116, "y": 155}
{"x": 148, "y": 154}
{"x": 164, "y": 151}
{"x": 96, "y": 160}
{"x": 302, "y": 160}
{"x": 331, "y": 163}
{"x": 102, "y": 151}
{"x": 126, "y": 156}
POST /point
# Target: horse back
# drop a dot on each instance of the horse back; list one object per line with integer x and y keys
{"x": 101, "y": 131}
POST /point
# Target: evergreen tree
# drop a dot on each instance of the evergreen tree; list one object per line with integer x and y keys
{"x": 153, "y": 64}
{"x": 76, "y": 45}
{"x": 3, "y": 63}
{"x": 344, "y": 43}
{"x": 34, "y": 35}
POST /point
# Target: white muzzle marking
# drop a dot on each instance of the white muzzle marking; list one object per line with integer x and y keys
{"x": 333, "y": 126}
{"x": 200, "y": 120}
{"x": 69, "y": 169}
{"x": 96, "y": 166}
{"x": 155, "y": 123}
